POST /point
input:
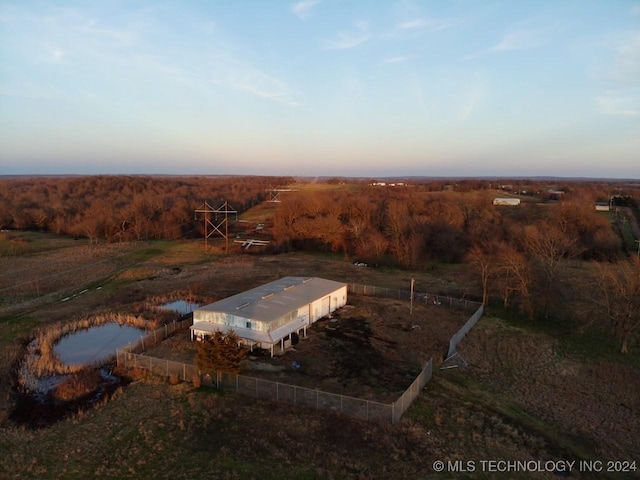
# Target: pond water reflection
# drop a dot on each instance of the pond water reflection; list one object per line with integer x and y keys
{"x": 181, "y": 306}
{"x": 96, "y": 343}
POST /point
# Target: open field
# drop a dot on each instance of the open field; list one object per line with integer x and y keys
{"x": 525, "y": 395}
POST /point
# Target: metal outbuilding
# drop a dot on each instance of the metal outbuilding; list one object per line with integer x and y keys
{"x": 506, "y": 201}
{"x": 271, "y": 313}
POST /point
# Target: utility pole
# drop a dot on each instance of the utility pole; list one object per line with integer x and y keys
{"x": 225, "y": 209}
{"x": 411, "y": 304}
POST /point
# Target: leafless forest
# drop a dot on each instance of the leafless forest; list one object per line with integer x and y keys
{"x": 518, "y": 253}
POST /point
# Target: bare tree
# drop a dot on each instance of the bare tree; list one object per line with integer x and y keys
{"x": 620, "y": 299}
{"x": 515, "y": 277}
{"x": 549, "y": 245}
{"x": 482, "y": 258}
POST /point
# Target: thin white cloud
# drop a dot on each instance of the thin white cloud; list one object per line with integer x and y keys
{"x": 399, "y": 59}
{"x": 241, "y": 75}
{"x": 520, "y": 39}
{"x": 56, "y": 55}
{"x": 418, "y": 26}
{"x": 432, "y": 25}
{"x": 97, "y": 49}
{"x": 304, "y": 9}
{"x": 626, "y": 105}
{"x": 352, "y": 39}
{"x": 626, "y": 64}
{"x": 635, "y": 10}
{"x": 474, "y": 98}
{"x": 272, "y": 96}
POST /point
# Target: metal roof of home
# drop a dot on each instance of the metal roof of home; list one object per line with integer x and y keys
{"x": 273, "y": 300}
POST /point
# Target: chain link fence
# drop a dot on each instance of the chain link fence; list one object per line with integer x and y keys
{"x": 303, "y": 397}
{"x": 406, "y": 399}
{"x": 418, "y": 297}
{"x": 130, "y": 357}
{"x": 281, "y": 392}
{"x": 460, "y": 334}
{"x": 155, "y": 337}
{"x": 157, "y": 366}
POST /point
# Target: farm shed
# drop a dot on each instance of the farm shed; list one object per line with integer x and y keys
{"x": 271, "y": 313}
{"x": 506, "y": 201}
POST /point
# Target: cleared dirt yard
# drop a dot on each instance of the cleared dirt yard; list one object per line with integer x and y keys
{"x": 372, "y": 348}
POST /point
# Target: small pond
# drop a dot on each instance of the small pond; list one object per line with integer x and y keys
{"x": 181, "y": 306}
{"x": 96, "y": 343}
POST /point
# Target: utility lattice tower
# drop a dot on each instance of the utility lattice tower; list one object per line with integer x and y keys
{"x": 274, "y": 193}
{"x": 216, "y": 225}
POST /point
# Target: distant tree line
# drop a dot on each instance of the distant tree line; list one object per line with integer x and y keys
{"x": 517, "y": 252}
{"x": 122, "y": 208}
{"x": 415, "y": 226}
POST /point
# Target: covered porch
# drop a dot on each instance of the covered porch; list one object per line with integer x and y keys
{"x": 253, "y": 338}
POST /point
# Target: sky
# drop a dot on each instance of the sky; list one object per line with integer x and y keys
{"x": 361, "y": 88}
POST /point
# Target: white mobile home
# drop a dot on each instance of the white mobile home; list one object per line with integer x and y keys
{"x": 271, "y": 313}
{"x": 506, "y": 201}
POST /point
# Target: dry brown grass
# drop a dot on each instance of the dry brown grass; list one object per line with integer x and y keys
{"x": 77, "y": 385}
{"x": 153, "y": 430}
{"x": 596, "y": 401}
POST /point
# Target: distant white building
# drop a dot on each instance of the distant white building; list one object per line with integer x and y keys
{"x": 603, "y": 206}
{"x": 507, "y": 201}
{"x": 270, "y": 314}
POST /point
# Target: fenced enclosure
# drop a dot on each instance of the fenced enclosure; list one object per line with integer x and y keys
{"x": 281, "y": 392}
{"x": 131, "y": 357}
{"x": 418, "y": 297}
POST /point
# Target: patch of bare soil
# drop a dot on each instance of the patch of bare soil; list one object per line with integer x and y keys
{"x": 372, "y": 348}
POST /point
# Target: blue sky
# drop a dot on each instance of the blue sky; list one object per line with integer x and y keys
{"x": 321, "y": 87}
